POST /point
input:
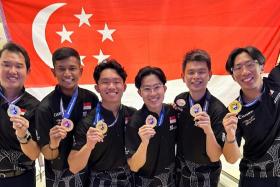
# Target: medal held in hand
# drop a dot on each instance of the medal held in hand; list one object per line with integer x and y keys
{"x": 235, "y": 107}
{"x": 151, "y": 120}
{"x": 68, "y": 124}
{"x": 194, "y": 110}
{"x": 102, "y": 126}
{"x": 13, "y": 110}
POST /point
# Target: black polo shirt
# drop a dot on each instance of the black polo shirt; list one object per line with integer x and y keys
{"x": 109, "y": 154}
{"x": 274, "y": 78}
{"x": 10, "y": 151}
{"x": 192, "y": 139}
{"x": 259, "y": 125}
{"x": 48, "y": 115}
{"x": 161, "y": 148}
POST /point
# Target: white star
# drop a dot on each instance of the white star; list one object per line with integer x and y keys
{"x": 83, "y": 17}
{"x": 106, "y": 33}
{"x": 101, "y": 56}
{"x": 82, "y": 58}
{"x": 64, "y": 34}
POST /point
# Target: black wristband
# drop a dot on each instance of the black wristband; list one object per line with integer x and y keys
{"x": 53, "y": 149}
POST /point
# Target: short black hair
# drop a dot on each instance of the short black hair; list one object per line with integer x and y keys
{"x": 64, "y": 53}
{"x": 16, "y": 48}
{"x": 109, "y": 64}
{"x": 149, "y": 70}
{"x": 253, "y": 52}
{"x": 198, "y": 55}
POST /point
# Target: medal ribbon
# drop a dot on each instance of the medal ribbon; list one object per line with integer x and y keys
{"x": 6, "y": 99}
{"x": 252, "y": 102}
{"x": 206, "y": 103}
{"x": 99, "y": 117}
{"x": 67, "y": 113}
{"x": 161, "y": 117}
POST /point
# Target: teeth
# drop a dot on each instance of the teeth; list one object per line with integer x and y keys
{"x": 247, "y": 79}
{"x": 68, "y": 80}
{"x": 12, "y": 78}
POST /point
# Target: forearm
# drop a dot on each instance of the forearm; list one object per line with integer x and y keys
{"x": 231, "y": 150}
{"x": 213, "y": 149}
{"x": 78, "y": 160}
{"x": 31, "y": 149}
{"x": 138, "y": 159}
{"x": 50, "y": 153}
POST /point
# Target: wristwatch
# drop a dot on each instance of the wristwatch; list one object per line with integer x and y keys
{"x": 25, "y": 139}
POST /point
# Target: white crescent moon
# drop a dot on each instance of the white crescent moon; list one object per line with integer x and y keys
{"x": 39, "y": 32}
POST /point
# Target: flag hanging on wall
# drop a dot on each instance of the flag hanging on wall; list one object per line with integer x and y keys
{"x": 140, "y": 32}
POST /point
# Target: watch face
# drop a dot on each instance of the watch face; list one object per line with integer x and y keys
{"x": 25, "y": 139}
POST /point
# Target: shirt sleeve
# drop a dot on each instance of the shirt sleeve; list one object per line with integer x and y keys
{"x": 132, "y": 139}
{"x": 44, "y": 122}
{"x": 80, "y": 135}
{"x": 217, "y": 123}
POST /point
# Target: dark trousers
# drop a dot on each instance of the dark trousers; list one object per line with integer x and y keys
{"x": 28, "y": 179}
{"x": 259, "y": 182}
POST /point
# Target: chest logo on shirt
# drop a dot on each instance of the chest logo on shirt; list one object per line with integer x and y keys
{"x": 172, "y": 120}
{"x": 87, "y": 106}
{"x": 241, "y": 116}
{"x": 249, "y": 121}
{"x": 57, "y": 114}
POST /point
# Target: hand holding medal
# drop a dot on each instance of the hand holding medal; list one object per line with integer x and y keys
{"x": 194, "y": 110}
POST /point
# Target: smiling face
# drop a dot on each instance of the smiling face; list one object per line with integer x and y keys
{"x": 110, "y": 86}
{"x": 196, "y": 77}
{"x": 67, "y": 72}
{"x": 13, "y": 71}
{"x": 152, "y": 92}
{"x": 247, "y": 72}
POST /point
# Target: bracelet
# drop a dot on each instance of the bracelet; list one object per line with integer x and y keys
{"x": 230, "y": 142}
{"x": 53, "y": 149}
{"x": 25, "y": 139}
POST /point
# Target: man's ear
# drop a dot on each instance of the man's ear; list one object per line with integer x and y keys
{"x": 53, "y": 72}
{"x": 182, "y": 76}
{"x": 233, "y": 77}
{"x": 210, "y": 75}
{"x": 96, "y": 87}
{"x": 139, "y": 92}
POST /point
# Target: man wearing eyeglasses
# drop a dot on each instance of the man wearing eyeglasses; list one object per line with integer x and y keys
{"x": 258, "y": 122}
{"x": 200, "y": 130}
{"x": 150, "y": 136}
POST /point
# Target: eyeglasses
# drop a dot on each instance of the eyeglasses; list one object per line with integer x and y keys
{"x": 108, "y": 82}
{"x": 249, "y": 65}
{"x": 153, "y": 88}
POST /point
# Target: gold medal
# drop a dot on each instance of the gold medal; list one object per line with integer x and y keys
{"x": 235, "y": 107}
{"x": 151, "y": 120}
{"x": 195, "y": 109}
{"x": 102, "y": 126}
{"x": 68, "y": 124}
{"x": 13, "y": 110}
